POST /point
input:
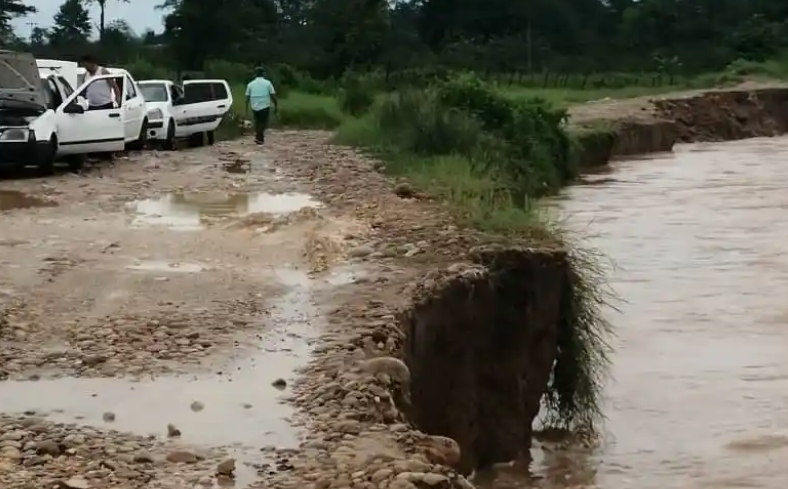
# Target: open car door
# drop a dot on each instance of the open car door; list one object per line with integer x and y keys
{"x": 209, "y": 101}
{"x": 88, "y": 131}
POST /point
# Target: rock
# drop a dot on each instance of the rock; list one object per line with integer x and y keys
{"x": 182, "y": 457}
{"x": 197, "y": 406}
{"x": 109, "y": 417}
{"x": 10, "y": 453}
{"x": 48, "y": 447}
{"x": 393, "y": 367}
{"x": 226, "y": 468}
{"x": 432, "y": 479}
{"x": 173, "y": 431}
{"x": 76, "y": 483}
{"x": 361, "y": 251}
{"x": 279, "y": 384}
{"x": 442, "y": 450}
{"x": 404, "y": 190}
{"x": 143, "y": 457}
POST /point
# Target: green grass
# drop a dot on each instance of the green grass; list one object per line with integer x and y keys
{"x": 298, "y": 110}
{"x": 565, "y": 97}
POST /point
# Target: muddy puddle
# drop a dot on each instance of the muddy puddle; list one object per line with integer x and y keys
{"x": 699, "y": 394}
{"x": 241, "y": 407}
{"x": 191, "y": 211}
{"x": 11, "y": 200}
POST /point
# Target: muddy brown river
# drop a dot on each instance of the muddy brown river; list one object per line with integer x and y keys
{"x": 699, "y": 394}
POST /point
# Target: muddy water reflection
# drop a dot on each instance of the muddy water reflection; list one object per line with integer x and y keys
{"x": 188, "y": 211}
{"x": 700, "y": 390}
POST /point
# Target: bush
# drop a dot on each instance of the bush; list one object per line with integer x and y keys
{"x": 308, "y": 111}
{"x": 142, "y": 69}
{"x": 356, "y": 96}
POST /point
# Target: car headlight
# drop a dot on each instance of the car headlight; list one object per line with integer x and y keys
{"x": 155, "y": 114}
{"x": 14, "y": 134}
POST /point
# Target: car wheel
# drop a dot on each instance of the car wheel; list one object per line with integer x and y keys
{"x": 139, "y": 144}
{"x": 211, "y": 135}
{"x": 169, "y": 143}
{"x": 46, "y": 159}
{"x": 197, "y": 140}
{"x": 76, "y": 162}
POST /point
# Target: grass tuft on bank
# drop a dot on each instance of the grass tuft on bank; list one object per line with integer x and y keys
{"x": 490, "y": 156}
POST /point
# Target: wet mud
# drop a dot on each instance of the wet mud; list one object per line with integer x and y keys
{"x": 11, "y": 200}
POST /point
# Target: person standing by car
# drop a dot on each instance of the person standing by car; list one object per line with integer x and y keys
{"x": 260, "y": 94}
{"x": 99, "y": 95}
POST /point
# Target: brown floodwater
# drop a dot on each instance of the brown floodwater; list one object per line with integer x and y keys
{"x": 699, "y": 390}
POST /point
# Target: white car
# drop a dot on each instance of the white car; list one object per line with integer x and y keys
{"x": 42, "y": 120}
{"x": 135, "y": 118}
{"x": 193, "y": 110}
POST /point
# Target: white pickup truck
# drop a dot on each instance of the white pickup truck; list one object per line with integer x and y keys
{"x": 193, "y": 110}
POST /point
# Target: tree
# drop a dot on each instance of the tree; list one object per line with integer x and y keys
{"x": 72, "y": 28}
{"x": 9, "y": 10}
{"x": 39, "y": 36}
{"x": 102, "y": 19}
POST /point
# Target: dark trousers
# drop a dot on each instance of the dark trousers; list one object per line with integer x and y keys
{"x": 260, "y": 123}
{"x": 102, "y": 107}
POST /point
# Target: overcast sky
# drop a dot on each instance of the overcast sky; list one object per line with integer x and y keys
{"x": 140, "y": 14}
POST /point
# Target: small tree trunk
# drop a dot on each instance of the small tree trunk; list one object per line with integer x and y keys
{"x": 101, "y": 21}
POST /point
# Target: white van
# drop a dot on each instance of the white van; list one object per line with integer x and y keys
{"x": 191, "y": 111}
{"x": 42, "y": 120}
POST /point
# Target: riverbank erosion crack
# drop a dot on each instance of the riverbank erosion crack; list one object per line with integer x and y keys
{"x": 486, "y": 343}
{"x": 614, "y": 128}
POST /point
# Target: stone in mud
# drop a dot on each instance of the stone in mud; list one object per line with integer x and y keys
{"x": 76, "y": 483}
{"x": 197, "y": 406}
{"x": 404, "y": 190}
{"x": 109, "y": 417}
{"x": 173, "y": 431}
{"x": 48, "y": 447}
{"x": 279, "y": 384}
{"x": 182, "y": 457}
{"x": 226, "y": 468}
{"x": 393, "y": 367}
{"x": 143, "y": 457}
{"x": 361, "y": 251}
{"x": 442, "y": 450}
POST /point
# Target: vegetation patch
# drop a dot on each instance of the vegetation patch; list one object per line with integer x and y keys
{"x": 490, "y": 156}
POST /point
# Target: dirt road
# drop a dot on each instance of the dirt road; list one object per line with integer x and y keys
{"x": 152, "y": 311}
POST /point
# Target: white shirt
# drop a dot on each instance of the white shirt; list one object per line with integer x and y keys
{"x": 99, "y": 93}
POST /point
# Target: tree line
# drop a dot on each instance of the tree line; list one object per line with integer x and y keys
{"x": 329, "y": 37}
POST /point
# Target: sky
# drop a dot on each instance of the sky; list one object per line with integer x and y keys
{"x": 140, "y": 14}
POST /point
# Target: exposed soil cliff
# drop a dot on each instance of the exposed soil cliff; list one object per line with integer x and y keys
{"x": 638, "y": 126}
{"x": 481, "y": 345}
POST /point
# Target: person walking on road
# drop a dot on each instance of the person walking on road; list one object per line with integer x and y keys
{"x": 260, "y": 94}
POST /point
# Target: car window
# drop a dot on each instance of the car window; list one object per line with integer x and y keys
{"x": 219, "y": 91}
{"x": 49, "y": 98}
{"x": 132, "y": 91}
{"x": 65, "y": 86}
{"x": 176, "y": 93}
{"x": 154, "y": 92}
{"x": 56, "y": 97}
{"x": 205, "y": 92}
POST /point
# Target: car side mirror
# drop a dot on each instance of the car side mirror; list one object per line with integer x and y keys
{"x": 73, "y": 108}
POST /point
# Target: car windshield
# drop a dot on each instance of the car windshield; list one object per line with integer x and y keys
{"x": 154, "y": 92}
